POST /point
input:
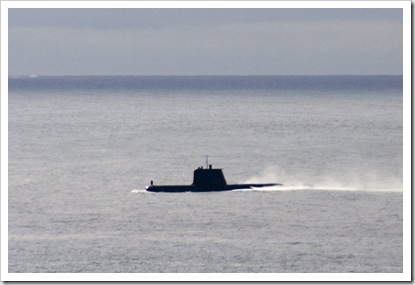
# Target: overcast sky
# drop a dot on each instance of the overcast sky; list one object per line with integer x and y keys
{"x": 205, "y": 41}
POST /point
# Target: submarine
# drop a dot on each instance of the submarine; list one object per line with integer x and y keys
{"x": 206, "y": 180}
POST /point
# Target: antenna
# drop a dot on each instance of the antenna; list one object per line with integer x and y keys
{"x": 207, "y": 164}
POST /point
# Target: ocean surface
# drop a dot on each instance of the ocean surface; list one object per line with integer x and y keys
{"x": 82, "y": 150}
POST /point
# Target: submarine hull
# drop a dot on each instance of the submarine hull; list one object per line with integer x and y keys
{"x": 193, "y": 188}
{"x": 206, "y": 180}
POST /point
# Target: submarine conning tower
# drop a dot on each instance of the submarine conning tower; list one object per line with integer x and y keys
{"x": 208, "y": 177}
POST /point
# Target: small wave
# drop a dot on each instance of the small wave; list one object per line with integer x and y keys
{"x": 142, "y": 191}
{"x": 317, "y": 188}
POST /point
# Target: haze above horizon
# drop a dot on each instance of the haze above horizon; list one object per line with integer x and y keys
{"x": 205, "y": 42}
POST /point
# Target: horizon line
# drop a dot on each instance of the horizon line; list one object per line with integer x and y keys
{"x": 196, "y": 75}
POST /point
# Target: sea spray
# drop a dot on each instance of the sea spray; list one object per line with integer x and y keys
{"x": 335, "y": 180}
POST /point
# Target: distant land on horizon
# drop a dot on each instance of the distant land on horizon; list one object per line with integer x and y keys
{"x": 205, "y": 82}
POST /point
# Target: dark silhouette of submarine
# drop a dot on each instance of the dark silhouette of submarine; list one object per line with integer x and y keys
{"x": 205, "y": 180}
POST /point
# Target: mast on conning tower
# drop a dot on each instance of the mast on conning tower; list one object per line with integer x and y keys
{"x": 207, "y": 164}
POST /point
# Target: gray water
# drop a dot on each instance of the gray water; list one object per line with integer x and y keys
{"x": 82, "y": 150}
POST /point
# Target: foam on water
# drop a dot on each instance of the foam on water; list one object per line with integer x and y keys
{"x": 140, "y": 191}
{"x": 321, "y": 188}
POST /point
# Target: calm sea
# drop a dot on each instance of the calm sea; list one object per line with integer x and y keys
{"x": 82, "y": 150}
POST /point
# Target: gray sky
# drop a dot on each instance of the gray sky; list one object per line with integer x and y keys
{"x": 205, "y": 41}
